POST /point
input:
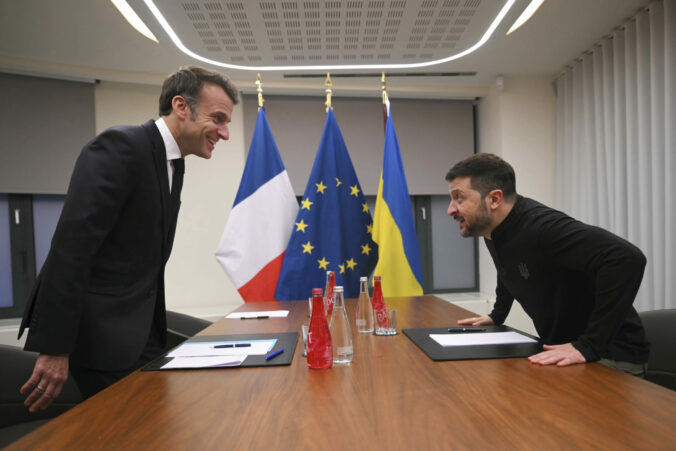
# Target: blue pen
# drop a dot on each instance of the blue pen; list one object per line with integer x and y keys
{"x": 274, "y": 354}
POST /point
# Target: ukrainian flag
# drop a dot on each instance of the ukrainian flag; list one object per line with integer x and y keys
{"x": 394, "y": 226}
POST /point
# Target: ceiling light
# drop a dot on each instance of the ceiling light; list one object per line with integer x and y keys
{"x": 175, "y": 39}
{"x": 526, "y": 14}
{"x": 133, "y": 19}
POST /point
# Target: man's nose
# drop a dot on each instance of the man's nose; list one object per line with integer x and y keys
{"x": 224, "y": 133}
{"x": 451, "y": 209}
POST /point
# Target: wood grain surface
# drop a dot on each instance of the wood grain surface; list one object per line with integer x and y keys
{"x": 391, "y": 397}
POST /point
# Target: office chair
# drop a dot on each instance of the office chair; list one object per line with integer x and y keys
{"x": 659, "y": 329}
{"x": 180, "y": 327}
{"x": 15, "y": 420}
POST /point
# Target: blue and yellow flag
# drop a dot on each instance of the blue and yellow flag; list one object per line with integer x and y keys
{"x": 394, "y": 226}
{"x": 332, "y": 228}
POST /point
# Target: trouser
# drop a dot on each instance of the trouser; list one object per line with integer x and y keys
{"x": 91, "y": 381}
{"x": 635, "y": 369}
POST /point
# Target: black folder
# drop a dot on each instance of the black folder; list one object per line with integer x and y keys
{"x": 285, "y": 340}
{"x": 421, "y": 337}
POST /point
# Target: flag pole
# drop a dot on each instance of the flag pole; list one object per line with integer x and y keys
{"x": 386, "y": 101}
{"x": 259, "y": 90}
{"x": 329, "y": 93}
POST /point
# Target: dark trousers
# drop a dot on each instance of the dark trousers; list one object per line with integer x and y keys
{"x": 91, "y": 381}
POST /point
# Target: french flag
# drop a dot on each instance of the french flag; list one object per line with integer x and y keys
{"x": 257, "y": 233}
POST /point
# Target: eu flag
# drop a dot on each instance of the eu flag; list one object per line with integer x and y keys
{"x": 333, "y": 226}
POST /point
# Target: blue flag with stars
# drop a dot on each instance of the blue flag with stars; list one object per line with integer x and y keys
{"x": 333, "y": 226}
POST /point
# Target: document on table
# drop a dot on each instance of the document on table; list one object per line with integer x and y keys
{"x": 263, "y": 314}
{"x": 484, "y": 338}
{"x": 205, "y": 362}
{"x": 223, "y": 348}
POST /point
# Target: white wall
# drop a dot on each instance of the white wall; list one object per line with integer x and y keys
{"x": 195, "y": 283}
{"x": 519, "y": 124}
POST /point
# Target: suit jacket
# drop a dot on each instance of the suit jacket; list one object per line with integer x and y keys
{"x": 101, "y": 288}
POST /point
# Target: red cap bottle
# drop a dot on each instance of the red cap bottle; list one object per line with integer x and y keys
{"x": 319, "y": 346}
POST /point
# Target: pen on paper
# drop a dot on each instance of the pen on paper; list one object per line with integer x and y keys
{"x": 274, "y": 354}
{"x": 255, "y": 317}
{"x": 467, "y": 329}
{"x": 236, "y": 345}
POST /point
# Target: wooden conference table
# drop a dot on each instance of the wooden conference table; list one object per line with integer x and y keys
{"x": 392, "y": 396}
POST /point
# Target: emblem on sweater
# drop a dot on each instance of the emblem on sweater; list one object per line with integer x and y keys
{"x": 523, "y": 269}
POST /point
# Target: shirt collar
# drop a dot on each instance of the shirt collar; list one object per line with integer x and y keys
{"x": 169, "y": 142}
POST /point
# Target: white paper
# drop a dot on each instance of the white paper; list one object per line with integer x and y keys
{"x": 205, "y": 362}
{"x": 270, "y": 313}
{"x": 208, "y": 348}
{"x": 480, "y": 338}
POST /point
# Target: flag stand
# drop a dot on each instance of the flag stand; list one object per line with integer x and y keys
{"x": 329, "y": 92}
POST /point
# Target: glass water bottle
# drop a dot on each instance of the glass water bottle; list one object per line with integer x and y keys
{"x": 341, "y": 334}
{"x": 364, "y": 309}
{"x": 319, "y": 346}
{"x": 328, "y": 294}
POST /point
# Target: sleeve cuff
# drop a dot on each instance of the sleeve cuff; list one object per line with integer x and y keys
{"x": 587, "y": 352}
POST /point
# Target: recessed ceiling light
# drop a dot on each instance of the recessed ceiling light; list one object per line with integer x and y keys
{"x": 176, "y": 40}
{"x": 526, "y": 14}
{"x": 133, "y": 18}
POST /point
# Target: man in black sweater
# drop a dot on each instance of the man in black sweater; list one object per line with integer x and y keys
{"x": 576, "y": 282}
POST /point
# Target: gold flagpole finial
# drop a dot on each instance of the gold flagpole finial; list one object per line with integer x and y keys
{"x": 384, "y": 89}
{"x": 329, "y": 93}
{"x": 259, "y": 90}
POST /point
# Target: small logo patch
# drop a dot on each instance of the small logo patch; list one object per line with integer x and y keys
{"x": 523, "y": 270}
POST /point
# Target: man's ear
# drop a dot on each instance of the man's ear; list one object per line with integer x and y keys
{"x": 494, "y": 199}
{"x": 180, "y": 107}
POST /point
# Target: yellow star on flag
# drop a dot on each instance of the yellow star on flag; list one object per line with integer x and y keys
{"x": 320, "y": 187}
{"x": 305, "y": 204}
{"x": 338, "y": 182}
{"x": 365, "y": 249}
{"x": 307, "y": 248}
{"x": 342, "y": 268}
{"x": 354, "y": 191}
{"x": 323, "y": 264}
{"x": 301, "y": 226}
{"x": 364, "y": 208}
{"x": 369, "y": 229}
{"x": 351, "y": 263}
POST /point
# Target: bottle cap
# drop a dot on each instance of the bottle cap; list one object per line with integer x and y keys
{"x": 337, "y": 289}
{"x": 363, "y": 279}
{"x": 317, "y": 292}
{"x": 376, "y": 278}
{"x": 330, "y": 272}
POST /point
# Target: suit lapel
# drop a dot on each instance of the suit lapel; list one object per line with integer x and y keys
{"x": 160, "y": 160}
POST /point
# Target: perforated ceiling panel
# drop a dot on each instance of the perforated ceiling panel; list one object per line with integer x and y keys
{"x": 299, "y": 33}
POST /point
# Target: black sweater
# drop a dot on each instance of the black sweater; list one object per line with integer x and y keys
{"x": 576, "y": 282}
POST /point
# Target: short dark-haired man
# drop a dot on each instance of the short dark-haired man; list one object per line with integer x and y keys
{"x": 576, "y": 282}
{"x": 98, "y": 303}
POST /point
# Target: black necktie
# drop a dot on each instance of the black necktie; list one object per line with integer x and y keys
{"x": 174, "y": 201}
{"x": 177, "y": 182}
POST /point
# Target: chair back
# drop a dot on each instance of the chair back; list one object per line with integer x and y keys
{"x": 659, "y": 327}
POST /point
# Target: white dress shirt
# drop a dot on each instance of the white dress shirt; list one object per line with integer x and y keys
{"x": 171, "y": 147}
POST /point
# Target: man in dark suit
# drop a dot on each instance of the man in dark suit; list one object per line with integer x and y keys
{"x": 98, "y": 303}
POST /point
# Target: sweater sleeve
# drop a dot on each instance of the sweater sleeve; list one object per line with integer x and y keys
{"x": 503, "y": 304}
{"x": 615, "y": 265}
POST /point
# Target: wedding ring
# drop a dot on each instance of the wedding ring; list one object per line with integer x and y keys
{"x": 40, "y": 389}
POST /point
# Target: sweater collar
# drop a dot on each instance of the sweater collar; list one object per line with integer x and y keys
{"x": 506, "y": 225}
